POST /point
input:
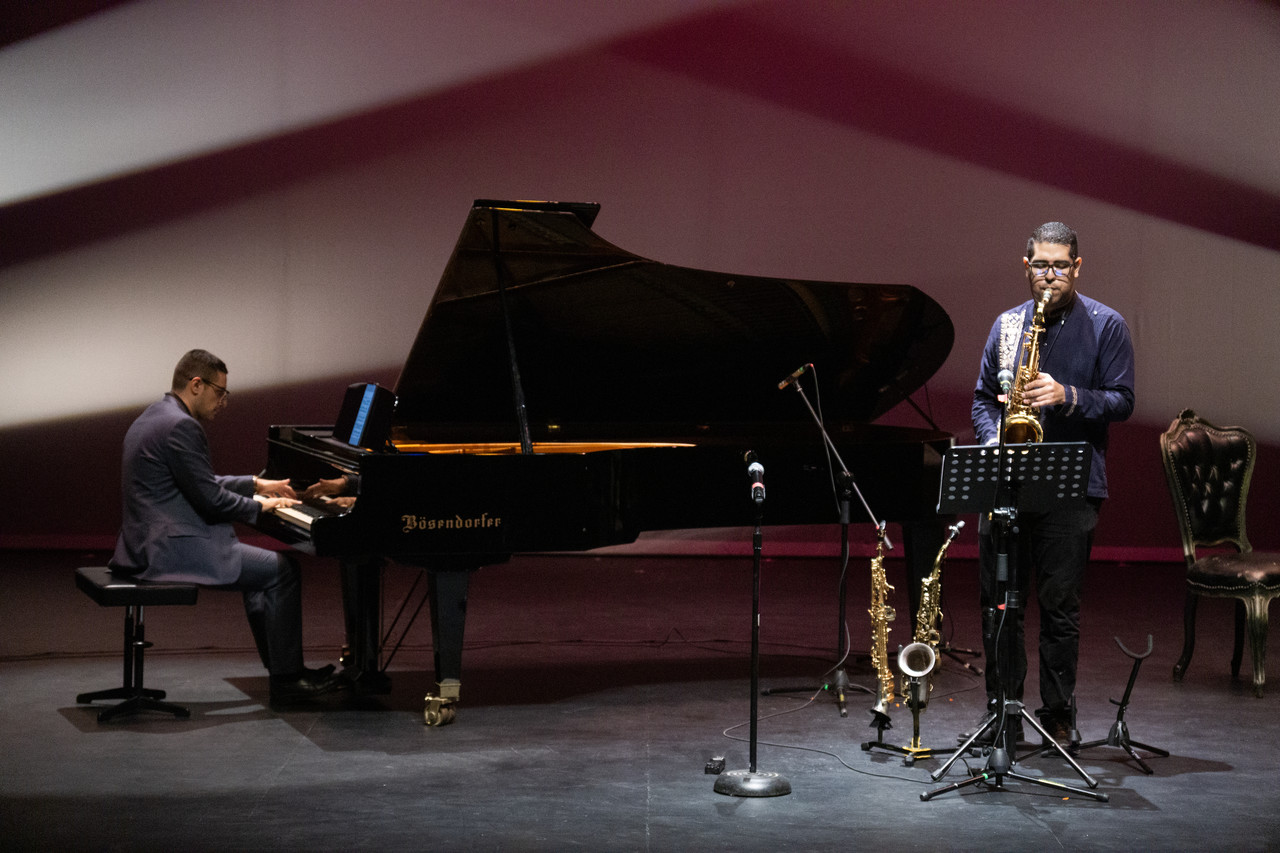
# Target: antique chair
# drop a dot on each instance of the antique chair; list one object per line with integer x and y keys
{"x": 1208, "y": 469}
{"x": 112, "y": 590}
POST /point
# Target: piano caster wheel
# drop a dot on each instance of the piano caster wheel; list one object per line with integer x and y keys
{"x": 438, "y": 712}
{"x": 441, "y": 710}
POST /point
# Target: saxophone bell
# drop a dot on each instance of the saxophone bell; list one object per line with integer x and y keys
{"x": 916, "y": 660}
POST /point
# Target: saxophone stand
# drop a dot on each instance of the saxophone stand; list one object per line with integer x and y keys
{"x": 836, "y": 680}
{"x": 749, "y": 783}
{"x": 1040, "y": 477}
{"x": 917, "y": 696}
{"x": 955, "y": 653}
{"x": 1119, "y": 734}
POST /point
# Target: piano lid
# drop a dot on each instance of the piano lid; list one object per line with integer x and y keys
{"x": 605, "y": 337}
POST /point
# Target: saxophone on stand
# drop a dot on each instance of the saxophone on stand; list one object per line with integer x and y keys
{"x": 881, "y": 615}
{"x": 918, "y": 660}
{"x": 1021, "y": 421}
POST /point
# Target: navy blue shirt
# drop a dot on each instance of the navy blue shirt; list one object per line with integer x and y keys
{"x": 1088, "y": 350}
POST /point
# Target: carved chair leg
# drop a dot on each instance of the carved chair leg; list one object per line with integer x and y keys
{"x": 1188, "y": 635}
{"x": 1237, "y": 652}
{"x": 1257, "y": 606}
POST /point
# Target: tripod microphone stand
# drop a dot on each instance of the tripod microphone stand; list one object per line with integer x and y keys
{"x": 1000, "y": 481}
{"x": 838, "y": 682}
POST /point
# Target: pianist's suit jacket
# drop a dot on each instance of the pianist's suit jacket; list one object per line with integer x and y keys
{"x": 177, "y": 512}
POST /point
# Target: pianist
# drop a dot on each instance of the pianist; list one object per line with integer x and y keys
{"x": 178, "y": 518}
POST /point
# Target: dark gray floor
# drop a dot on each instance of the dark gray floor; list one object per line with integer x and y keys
{"x": 595, "y": 691}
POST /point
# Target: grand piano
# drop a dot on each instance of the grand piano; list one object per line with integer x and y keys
{"x": 564, "y": 394}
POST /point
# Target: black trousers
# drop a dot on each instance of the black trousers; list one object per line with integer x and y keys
{"x": 272, "y": 586}
{"x": 1054, "y": 548}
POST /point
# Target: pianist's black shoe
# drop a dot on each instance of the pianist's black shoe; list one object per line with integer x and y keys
{"x": 306, "y": 687}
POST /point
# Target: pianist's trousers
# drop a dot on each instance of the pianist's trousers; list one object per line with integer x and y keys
{"x": 272, "y": 586}
{"x": 1056, "y": 546}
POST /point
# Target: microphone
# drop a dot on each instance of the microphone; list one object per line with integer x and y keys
{"x": 794, "y": 376}
{"x": 756, "y": 472}
{"x": 1005, "y": 378}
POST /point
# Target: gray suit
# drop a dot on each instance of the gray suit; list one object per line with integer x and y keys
{"x": 177, "y": 526}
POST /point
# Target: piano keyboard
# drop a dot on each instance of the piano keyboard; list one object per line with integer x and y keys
{"x": 301, "y": 515}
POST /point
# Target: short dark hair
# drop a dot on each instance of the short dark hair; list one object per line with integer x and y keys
{"x": 1052, "y": 232}
{"x": 198, "y": 362}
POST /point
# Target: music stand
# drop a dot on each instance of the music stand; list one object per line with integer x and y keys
{"x": 1002, "y": 480}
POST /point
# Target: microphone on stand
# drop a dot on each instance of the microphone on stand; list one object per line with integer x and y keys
{"x": 794, "y": 376}
{"x": 1005, "y": 378}
{"x": 756, "y": 472}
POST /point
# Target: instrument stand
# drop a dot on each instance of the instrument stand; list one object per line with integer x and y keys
{"x": 1118, "y": 736}
{"x": 1037, "y": 477}
{"x": 836, "y": 680}
{"x": 916, "y": 688}
{"x": 955, "y": 653}
{"x": 749, "y": 782}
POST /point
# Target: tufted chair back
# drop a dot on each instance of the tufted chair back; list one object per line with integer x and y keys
{"x": 1208, "y": 469}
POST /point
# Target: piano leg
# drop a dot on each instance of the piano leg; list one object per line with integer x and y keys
{"x": 447, "y": 588}
{"x": 362, "y": 610}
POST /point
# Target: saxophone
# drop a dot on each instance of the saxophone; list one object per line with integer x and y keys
{"x": 881, "y": 615}
{"x": 920, "y": 658}
{"x": 1021, "y": 422}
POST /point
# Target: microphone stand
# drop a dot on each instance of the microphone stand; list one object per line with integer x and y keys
{"x": 749, "y": 783}
{"x": 847, "y": 488}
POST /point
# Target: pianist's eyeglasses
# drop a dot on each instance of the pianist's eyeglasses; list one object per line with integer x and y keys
{"x": 222, "y": 392}
{"x": 1060, "y": 268}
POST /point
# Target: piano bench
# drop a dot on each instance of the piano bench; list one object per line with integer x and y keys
{"x": 112, "y": 590}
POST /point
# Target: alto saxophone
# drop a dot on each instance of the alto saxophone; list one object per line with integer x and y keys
{"x": 920, "y": 658}
{"x": 881, "y": 615}
{"x": 1021, "y": 422}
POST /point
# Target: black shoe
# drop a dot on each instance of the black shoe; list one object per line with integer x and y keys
{"x": 1012, "y": 723}
{"x": 306, "y": 687}
{"x": 1059, "y": 728}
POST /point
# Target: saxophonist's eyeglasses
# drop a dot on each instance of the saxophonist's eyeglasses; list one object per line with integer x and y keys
{"x": 1059, "y": 268}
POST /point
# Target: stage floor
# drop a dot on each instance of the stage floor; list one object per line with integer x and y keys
{"x": 595, "y": 691}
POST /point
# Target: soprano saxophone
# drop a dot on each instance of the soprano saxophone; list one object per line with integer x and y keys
{"x": 1021, "y": 421}
{"x": 920, "y": 658}
{"x": 881, "y": 615}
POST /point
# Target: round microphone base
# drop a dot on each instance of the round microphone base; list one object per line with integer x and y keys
{"x": 744, "y": 783}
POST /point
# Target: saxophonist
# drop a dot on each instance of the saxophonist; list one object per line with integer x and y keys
{"x": 1083, "y": 382}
